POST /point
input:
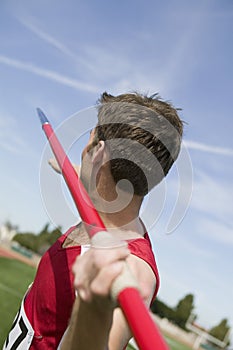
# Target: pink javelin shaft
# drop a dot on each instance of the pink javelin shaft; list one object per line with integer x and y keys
{"x": 140, "y": 322}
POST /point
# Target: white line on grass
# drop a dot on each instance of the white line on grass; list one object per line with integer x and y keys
{"x": 10, "y": 290}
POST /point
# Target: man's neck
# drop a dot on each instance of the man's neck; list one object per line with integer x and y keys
{"x": 124, "y": 226}
{"x": 124, "y": 220}
{"x": 117, "y": 208}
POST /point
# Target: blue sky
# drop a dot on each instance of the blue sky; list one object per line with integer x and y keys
{"x": 60, "y": 56}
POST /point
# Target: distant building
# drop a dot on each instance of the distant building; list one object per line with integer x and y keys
{"x": 6, "y": 233}
{"x": 204, "y": 338}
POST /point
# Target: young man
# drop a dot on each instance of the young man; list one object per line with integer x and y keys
{"x": 131, "y": 149}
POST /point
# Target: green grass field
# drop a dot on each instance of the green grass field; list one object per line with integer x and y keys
{"x": 173, "y": 345}
{"x": 15, "y": 278}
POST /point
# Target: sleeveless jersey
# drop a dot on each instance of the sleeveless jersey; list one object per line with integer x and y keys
{"x": 48, "y": 303}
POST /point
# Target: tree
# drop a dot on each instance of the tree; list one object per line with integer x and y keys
{"x": 46, "y": 238}
{"x": 38, "y": 243}
{"x": 220, "y": 330}
{"x": 161, "y": 309}
{"x": 183, "y": 310}
{"x": 10, "y": 226}
{"x": 179, "y": 315}
{"x": 27, "y": 240}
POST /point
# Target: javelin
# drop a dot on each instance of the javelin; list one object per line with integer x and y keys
{"x": 144, "y": 330}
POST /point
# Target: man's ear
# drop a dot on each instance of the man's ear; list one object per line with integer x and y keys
{"x": 99, "y": 152}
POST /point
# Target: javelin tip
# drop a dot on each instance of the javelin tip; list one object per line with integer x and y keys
{"x": 42, "y": 116}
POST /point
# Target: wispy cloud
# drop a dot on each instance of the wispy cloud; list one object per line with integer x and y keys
{"x": 213, "y": 198}
{"x": 93, "y": 56}
{"x": 48, "y": 74}
{"x": 208, "y": 148}
{"x": 123, "y": 76}
{"x": 10, "y": 139}
{"x": 216, "y": 230}
{"x": 194, "y": 247}
{"x": 176, "y": 64}
{"x": 35, "y": 27}
{"x": 29, "y": 23}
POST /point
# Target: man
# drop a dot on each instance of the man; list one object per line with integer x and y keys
{"x": 131, "y": 149}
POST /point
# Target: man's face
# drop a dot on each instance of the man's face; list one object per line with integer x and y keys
{"x": 86, "y": 164}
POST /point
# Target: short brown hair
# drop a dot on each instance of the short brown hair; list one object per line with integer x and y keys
{"x": 152, "y": 131}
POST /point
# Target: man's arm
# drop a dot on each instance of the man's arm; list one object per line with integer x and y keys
{"x": 95, "y": 324}
{"x": 89, "y": 327}
{"x": 92, "y": 314}
{"x": 120, "y": 333}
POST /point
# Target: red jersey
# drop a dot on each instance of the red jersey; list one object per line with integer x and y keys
{"x": 48, "y": 304}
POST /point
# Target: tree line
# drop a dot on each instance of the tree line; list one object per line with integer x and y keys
{"x": 180, "y": 314}
{"x": 40, "y": 242}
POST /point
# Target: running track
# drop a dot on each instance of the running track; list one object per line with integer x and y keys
{"x": 7, "y": 253}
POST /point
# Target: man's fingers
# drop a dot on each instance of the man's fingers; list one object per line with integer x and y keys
{"x": 101, "y": 285}
{"x": 95, "y": 271}
{"x": 54, "y": 164}
{"x": 103, "y": 258}
{"x": 95, "y": 259}
{"x": 87, "y": 266}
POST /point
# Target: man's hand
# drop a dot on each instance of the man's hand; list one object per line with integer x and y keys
{"x": 54, "y": 164}
{"x": 95, "y": 271}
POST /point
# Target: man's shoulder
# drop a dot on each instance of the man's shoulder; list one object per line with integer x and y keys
{"x": 75, "y": 236}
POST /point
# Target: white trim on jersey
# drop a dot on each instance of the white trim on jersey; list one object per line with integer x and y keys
{"x": 21, "y": 333}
